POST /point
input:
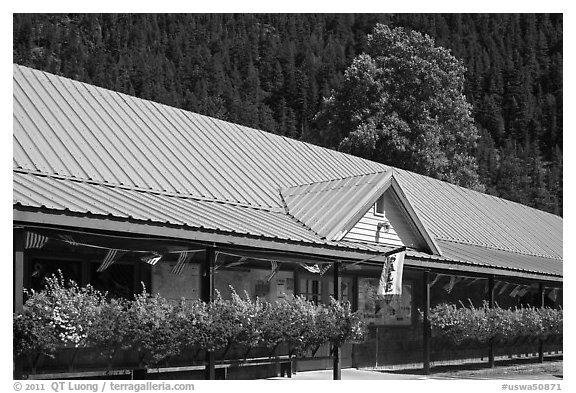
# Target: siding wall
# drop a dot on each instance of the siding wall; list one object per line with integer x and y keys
{"x": 402, "y": 231}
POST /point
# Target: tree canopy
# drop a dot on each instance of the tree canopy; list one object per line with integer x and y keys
{"x": 402, "y": 103}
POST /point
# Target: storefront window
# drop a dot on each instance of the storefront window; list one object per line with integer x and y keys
{"x": 41, "y": 268}
{"x": 345, "y": 288}
{"x": 255, "y": 282}
{"x": 389, "y": 310}
{"x": 117, "y": 280}
{"x": 311, "y": 289}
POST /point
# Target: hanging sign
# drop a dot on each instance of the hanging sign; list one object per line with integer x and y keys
{"x": 391, "y": 277}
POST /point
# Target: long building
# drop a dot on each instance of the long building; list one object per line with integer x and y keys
{"x": 96, "y": 170}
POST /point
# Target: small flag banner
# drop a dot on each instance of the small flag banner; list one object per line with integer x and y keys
{"x": 553, "y": 294}
{"x": 473, "y": 281}
{"x": 311, "y": 268}
{"x": 181, "y": 263}
{"x": 240, "y": 261}
{"x": 69, "y": 239}
{"x": 523, "y": 291}
{"x": 111, "y": 257}
{"x": 450, "y": 286}
{"x": 325, "y": 268}
{"x": 274, "y": 266}
{"x": 34, "y": 240}
{"x": 152, "y": 259}
{"x": 391, "y": 277}
{"x": 515, "y": 291}
{"x": 503, "y": 289}
{"x": 435, "y": 280}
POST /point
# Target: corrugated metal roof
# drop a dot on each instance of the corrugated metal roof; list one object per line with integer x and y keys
{"x": 81, "y": 197}
{"x": 152, "y": 162}
{"x": 323, "y": 206}
{"x": 74, "y": 129}
{"x": 460, "y": 215}
{"x": 500, "y": 258}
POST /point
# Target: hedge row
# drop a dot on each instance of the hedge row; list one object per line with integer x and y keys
{"x": 485, "y": 323}
{"x": 66, "y": 315}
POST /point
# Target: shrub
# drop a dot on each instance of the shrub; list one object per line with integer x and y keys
{"x": 64, "y": 314}
{"x": 342, "y": 324}
{"x": 485, "y": 323}
{"x": 151, "y": 329}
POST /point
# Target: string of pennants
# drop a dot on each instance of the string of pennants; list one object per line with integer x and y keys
{"x": 500, "y": 287}
{"x": 36, "y": 241}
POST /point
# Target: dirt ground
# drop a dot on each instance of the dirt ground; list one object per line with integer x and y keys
{"x": 552, "y": 368}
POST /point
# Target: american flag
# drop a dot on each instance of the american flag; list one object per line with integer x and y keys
{"x": 325, "y": 268}
{"x": 111, "y": 257}
{"x": 69, "y": 239}
{"x": 152, "y": 260}
{"x": 448, "y": 287}
{"x": 274, "y": 270}
{"x": 34, "y": 240}
{"x": 179, "y": 267}
{"x": 312, "y": 269}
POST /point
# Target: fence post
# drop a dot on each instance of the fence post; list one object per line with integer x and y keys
{"x": 337, "y": 374}
{"x": 491, "y": 305}
{"x": 207, "y": 294}
{"x": 540, "y": 341}
{"x": 426, "y": 323}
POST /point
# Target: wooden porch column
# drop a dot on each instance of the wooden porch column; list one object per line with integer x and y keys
{"x": 18, "y": 271}
{"x": 541, "y": 305}
{"x": 337, "y": 374}
{"x": 426, "y": 323}
{"x": 18, "y": 280}
{"x": 491, "y": 304}
{"x": 207, "y": 294}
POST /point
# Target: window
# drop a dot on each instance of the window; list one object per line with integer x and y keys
{"x": 311, "y": 289}
{"x": 389, "y": 310}
{"x": 379, "y": 206}
{"x": 41, "y": 268}
{"x": 345, "y": 286}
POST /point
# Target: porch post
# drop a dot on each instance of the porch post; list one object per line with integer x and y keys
{"x": 18, "y": 271}
{"x": 18, "y": 277}
{"x": 491, "y": 305}
{"x": 207, "y": 294}
{"x": 337, "y": 374}
{"x": 426, "y": 322}
{"x": 541, "y": 305}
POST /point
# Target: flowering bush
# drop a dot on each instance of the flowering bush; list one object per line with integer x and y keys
{"x": 65, "y": 315}
{"x": 342, "y": 324}
{"x": 151, "y": 327}
{"x": 110, "y": 328}
{"x": 485, "y": 323}
{"x": 291, "y": 321}
{"x": 61, "y": 314}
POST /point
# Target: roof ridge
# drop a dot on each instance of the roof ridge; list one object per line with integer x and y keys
{"x": 337, "y": 179}
{"x": 499, "y": 249}
{"x": 146, "y": 190}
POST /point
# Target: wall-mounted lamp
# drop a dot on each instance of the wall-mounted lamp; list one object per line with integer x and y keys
{"x": 384, "y": 225}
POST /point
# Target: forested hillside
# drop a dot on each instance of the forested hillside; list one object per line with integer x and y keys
{"x": 273, "y": 71}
